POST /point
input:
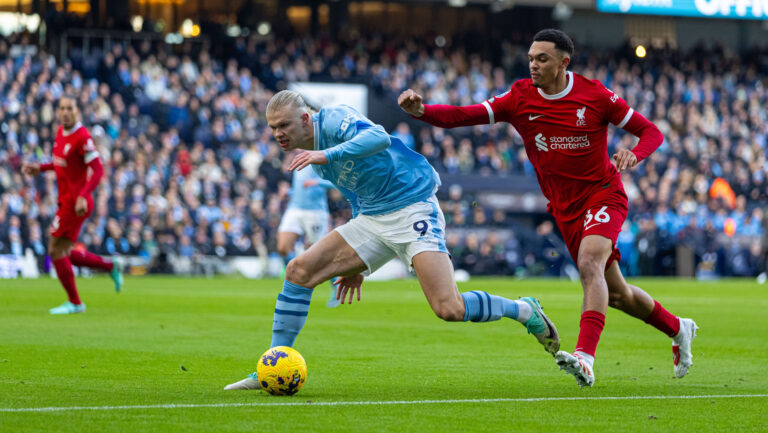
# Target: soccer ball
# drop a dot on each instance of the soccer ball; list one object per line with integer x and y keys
{"x": 281, "y": 371}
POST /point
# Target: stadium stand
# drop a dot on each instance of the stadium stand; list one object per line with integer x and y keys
{"x": 192, "y": 172}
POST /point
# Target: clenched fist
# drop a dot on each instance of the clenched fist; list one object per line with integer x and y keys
{"x": 410, "y": 102}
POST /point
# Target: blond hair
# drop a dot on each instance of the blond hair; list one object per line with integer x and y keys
{"x": 286, "y": 99}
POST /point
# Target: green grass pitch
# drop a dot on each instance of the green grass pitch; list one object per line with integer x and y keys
{"x": 385, "y": 364}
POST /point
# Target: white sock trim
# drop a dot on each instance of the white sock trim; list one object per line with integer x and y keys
{"x": 524, "y": 312}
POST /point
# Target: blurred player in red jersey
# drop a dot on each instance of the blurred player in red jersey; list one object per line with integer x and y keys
{"x": 563, "y": 119}
{"x": 74, "y": 156}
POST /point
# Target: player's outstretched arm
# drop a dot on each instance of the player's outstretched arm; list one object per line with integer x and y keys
{"x": 34, "y": 168}
{"x": 307, "y": 157}
{"x": 444, "y": 116}
{"x": 368, "y": 140}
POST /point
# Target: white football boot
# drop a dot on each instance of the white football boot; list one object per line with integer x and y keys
{"x": 575, "y": 365}
{"x": 249, "y": 382}
{"x": 681, "y": 347}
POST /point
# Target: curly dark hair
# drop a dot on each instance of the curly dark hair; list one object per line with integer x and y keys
{"x": 558, "y": 37}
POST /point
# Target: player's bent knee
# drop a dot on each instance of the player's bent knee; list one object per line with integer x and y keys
{"x": 57, "y": 252}
{"x": 617, "y": 300}
{"x": 297, "y": 272}
{"x": 449, "y": 311}
{"x": 589, "y": 266}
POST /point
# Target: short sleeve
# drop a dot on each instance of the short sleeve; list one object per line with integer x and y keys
{"x": 501, "y": 108}
{"x": 615, "y": 109}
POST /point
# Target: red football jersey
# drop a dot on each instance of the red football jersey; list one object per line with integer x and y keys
{"x": 72, "y": 151}
{"x": 565, "y": 137}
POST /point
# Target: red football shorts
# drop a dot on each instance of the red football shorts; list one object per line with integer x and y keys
{"x": 604, "y": 216}
{"x": 66, "y": 223}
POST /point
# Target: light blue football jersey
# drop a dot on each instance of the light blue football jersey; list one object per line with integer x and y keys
{"x": 312, "y": 197}
{"x": 375, "y": 171}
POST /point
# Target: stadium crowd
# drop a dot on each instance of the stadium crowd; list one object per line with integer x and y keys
{"x": 191, "y": 169}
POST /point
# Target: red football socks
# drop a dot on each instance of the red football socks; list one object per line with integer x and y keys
{"x": 663, "y": 320}
{"x": 90, "y": 260}
{"x": 67, "y": 277}
{"x": 590, "y": 328}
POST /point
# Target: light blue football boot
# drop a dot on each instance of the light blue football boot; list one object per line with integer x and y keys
{"x": 541, "y": 327}
{"x": 117, "y": 273}
{"x": 68, "y": 308}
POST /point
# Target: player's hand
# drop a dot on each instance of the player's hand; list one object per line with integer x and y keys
{"x": 310, "y": 182}
{"x": 30, "y": 168}
{"x": 624, "y": 159}
{"x": 307, "y": 157}
{"x": 81, "y": 206}
{"x": 411, "y": 103}
{"x": 348, "y": 285}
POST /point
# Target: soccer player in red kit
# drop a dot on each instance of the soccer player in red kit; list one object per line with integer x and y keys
{"x": 74, "y": 156}
{"x": 563, "y": 119}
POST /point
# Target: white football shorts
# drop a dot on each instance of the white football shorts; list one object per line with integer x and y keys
{"x": 404, "y": 233}
{"x": 311, "y": 224}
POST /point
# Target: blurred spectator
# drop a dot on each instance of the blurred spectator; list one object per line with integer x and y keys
{"x": 190, "y": 167}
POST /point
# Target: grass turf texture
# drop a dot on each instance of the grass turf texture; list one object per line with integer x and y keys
{"x": 179, "y": 341}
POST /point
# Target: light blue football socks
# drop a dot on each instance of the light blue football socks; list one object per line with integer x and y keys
{"x": 290, "y": 314}
{"x": 479, "y": 306}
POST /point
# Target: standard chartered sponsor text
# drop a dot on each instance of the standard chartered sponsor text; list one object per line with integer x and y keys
{"x": 569, "y": 142}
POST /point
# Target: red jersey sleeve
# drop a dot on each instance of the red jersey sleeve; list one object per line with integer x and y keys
{"x": 497, "y": 109}
{"x": 618, "y": 112}
{"x": 501, "y": 108}
{"x": 86, "y": 147}
{"x": 615, "y": 109}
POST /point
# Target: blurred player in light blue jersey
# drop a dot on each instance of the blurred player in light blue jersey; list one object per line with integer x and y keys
{"x": 395, "y": 213}
{"x": 306, "y": 216}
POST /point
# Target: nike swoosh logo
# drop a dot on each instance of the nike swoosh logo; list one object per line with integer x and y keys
{"x": 530, "y": 117}
{"x": 590, "y": 226}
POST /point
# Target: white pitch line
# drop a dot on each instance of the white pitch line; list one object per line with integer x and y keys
{"x": 375, "y": 403}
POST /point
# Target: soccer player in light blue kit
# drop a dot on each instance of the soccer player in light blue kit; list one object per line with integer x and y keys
{"x": 395, "y": 213}
{"x": 306, "y": 216}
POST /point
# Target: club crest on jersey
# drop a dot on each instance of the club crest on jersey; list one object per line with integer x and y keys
{"x": 580, "y": 116}
{"x": 66, "y": 149}
{"x": 346, "y": 122}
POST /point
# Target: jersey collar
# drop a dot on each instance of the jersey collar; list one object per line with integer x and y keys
{"x": 562, "y": 94}
{"x": 74, "y": 128}
{"x": 316, "y": 126}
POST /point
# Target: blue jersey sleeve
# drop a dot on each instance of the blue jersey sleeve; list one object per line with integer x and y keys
{"x": 358, "y": 136}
